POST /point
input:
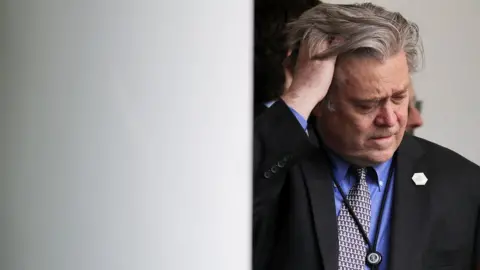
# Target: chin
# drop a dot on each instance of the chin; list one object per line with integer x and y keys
{"x": 381, "y": 156}
{"x": 378, "y": 159}
{"x": 375, "y": 157}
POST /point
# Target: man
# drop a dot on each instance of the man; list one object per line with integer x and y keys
{"x": 353, "y": 191}
{"x": 271, "y": 18}
{"x": 414, "y": 120}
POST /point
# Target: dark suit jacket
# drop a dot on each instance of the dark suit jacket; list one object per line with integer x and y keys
{"x": 258, "y": 109}
{"x": 435, "y": 226}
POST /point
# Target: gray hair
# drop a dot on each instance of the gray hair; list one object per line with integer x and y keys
{"x": 366, "y": 29}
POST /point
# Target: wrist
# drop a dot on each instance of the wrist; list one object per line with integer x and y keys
{"x": 302, "y": 104}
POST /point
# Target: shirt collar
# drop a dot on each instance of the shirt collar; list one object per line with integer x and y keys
{"x": 341, "y": 166}
{"x": 270, "y": 103}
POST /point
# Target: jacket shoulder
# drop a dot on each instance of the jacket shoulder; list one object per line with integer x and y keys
{"x": 442, "y": 155}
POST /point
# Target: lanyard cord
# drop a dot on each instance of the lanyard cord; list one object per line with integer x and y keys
{"x": 371, "y": 247}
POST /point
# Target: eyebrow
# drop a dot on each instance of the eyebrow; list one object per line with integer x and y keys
{"x": 401, "y": 92}
{"x": 377, "y": 99}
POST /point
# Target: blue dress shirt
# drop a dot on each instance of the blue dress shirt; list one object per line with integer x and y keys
{"x": 376, "y": 180}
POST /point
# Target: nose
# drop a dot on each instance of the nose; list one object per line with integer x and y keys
{"x": 386, "y": 116}
{"x": 414, "y": 119}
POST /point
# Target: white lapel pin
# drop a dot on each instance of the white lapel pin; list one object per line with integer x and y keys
{"x": 419, "y": 179}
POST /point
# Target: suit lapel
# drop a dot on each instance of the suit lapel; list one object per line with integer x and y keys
{"x": 410, "y": 208}
{"x": 322, "y": 202}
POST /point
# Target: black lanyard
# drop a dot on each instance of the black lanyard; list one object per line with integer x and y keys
{"x": 371, "y": 247}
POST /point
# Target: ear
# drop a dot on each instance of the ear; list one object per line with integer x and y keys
{"x": 288, "y": 78}
{"x": 288, "y": 71}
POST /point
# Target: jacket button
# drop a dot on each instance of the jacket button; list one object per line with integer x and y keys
{"x": 267, "y": 174}
{"x": 281, "y": 164}
{"x": 274, "y": 169}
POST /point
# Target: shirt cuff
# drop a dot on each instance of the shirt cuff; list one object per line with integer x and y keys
{"x": 303, "y": 122}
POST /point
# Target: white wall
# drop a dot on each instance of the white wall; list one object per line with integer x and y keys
{"x": 448, "y": 84}
{"x": 118, "y": 121}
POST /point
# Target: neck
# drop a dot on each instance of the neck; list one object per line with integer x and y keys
{"x": 352, "y": 160}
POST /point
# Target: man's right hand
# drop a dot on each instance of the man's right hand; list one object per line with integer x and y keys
{"x": 311, "y": 80}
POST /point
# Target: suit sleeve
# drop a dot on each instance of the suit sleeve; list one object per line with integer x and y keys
{"x": 476, "y": 254}
{"x": 476, "y": 247}
{"x": 279, "y": 143}
{"x": 476, "y": 189}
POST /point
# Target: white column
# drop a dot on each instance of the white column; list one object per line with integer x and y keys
{"x": 126, "y": 135}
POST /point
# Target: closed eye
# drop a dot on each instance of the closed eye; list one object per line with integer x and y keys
{"x": 398, "y": 99}
{"x": 366, "y": 107}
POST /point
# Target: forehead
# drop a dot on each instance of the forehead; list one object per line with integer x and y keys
{"x": 369, "y": 77}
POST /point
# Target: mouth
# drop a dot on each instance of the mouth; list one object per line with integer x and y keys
{"x": 382, "y": 138}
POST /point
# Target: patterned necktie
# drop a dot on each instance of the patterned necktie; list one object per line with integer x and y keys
{"x": 352, "y": 246}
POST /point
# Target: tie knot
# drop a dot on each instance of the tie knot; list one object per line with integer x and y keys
{"x": 360, "y": 172}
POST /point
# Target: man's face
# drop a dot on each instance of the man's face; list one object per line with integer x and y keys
{"x": 370, "y": 100}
